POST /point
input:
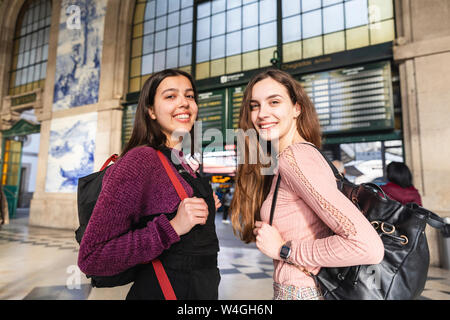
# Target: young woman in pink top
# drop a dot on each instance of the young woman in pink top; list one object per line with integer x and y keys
{"x": 314, "y": 224}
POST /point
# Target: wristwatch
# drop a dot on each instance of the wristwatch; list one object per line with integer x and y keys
{"x": 285, "y": 251}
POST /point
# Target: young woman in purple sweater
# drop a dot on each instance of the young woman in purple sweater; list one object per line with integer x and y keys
{"x": 139, "y": 216}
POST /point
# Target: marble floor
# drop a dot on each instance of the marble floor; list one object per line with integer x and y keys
{"x": 41, "y": 264}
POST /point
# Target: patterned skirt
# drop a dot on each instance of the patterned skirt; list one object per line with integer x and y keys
{"x": 289, "y": 292}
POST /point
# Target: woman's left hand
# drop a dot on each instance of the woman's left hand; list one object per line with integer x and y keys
{"x": 268, "y": 239}
{"x": 217, "y": 200}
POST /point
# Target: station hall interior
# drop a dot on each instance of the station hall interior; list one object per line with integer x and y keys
{"x": 377, "y": 71}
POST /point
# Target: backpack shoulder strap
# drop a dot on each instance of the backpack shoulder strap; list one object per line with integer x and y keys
{"x": 173, "y": 178}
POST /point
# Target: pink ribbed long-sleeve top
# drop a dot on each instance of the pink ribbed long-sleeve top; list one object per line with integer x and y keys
{"x": 325, "y": 228}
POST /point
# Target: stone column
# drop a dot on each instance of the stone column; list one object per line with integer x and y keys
{"x": 422, "y": 51}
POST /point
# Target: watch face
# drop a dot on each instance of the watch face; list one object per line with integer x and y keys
{"x": 284, "y": 252}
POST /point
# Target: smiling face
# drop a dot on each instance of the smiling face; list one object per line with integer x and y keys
{"x": 174, "y": 106}
{"x": 272, "y": 111}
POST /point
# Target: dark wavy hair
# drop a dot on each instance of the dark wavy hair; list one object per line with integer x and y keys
{"x": 399, "y": 173}
{"x": 146, "y": 131}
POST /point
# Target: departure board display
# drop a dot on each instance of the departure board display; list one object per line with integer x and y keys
{"x": 352, "y": 99}
{"x": 236, "y": 96}
{"x": 211, "y": 109}
{"x": 129, "y": 113}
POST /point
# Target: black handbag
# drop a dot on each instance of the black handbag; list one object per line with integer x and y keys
{"x": 403, "y": 272}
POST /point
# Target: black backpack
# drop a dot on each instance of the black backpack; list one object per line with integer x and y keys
{"x": 403, "y": 272}
{"x": 89, "y": 188}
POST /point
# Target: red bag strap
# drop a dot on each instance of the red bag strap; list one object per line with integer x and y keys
{"x": 113, "y": 158}
{"x": 161, "y": 274}
{"x": 176, "y": 183}
{"x": 163, "y": 280}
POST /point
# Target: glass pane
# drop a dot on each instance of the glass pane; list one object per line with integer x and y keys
{"x": 308, "y": 5}
{"x": 357, "y": 37}
{"x": 173, "y": 19}
{"x": 172, "y": 37}
{"x": 148, "y": 44}
{"x": 150, "y": 10}
{"x": 160, "y": 40}
{"x": 160, "y": 61}
{"x": 203, "y": 9}
{"x": 333, "y": 18}
{"x": 174, "y": 5}
{"x": 39, "y": 54}
{"x": 33, "y": 56}
{"x": 149, "y": 26}
{"x": 203, "y": 28}
{"x": 186, "y": 3}
{"x": 330, "y": 2}
{"x": 43, "y": 70}
{"x": 218, "y": 24}
{"x": 250, "y": 15}
{"x": 18, "y": 78}
{"x": 45, "y": 52}
{"x": 46, "y": 34}
{"x": 185, "y": 55}
{"x": 186, "y": 33}
{"x": 267, "y": 10}
{"x": 334, "y": 42}
{"x": 24, "y": 76}
{"x": 234, "y": 19}
{"x": 356, "y": 13}
{"x": 30, "y": 74}
{"x": 234, "y": 43}
{"x": 186, "y": 15}
{"x": 161, "y": 23}
{"x": 26, "y": 59}
{"x": 40, "y": 39}
{"x": 233, "y": 3}
{"x": 250, "y": 39}
{"x": 20, "y": 61}
{"x": 380, "y": 10}
{"x": 147, "y": 64}
{"x": 292, "y": 29}
{"x": 268, "y": 35}
{"x": 203, "y": 50}
{"x": 312, "y": 24}
{"x": 161, "y": 7}
{"x": 218, "y": 6}
{"x": 382, "y": 32}
{"x": 172, "y": 58}
{"x": 34, "y": 38}
{"x": 37, "y": 72}
{"x": 290, "y": 7}
{"x": 217, "y": 47}
{"x": 28, "y": 42}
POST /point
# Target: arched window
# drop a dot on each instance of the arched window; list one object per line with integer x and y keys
{"x": 161, "y": 38}
{"x": 29, "y": 64}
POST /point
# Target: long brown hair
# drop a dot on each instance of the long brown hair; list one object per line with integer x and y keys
{"x": 252, "y": 187}
{"x": 146, "y": 131}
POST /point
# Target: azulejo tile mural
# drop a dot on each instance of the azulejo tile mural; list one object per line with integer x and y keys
{"x": 79, "y": 51}
{"x": 71, "y": 151}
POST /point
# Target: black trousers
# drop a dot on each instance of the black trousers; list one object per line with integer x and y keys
{"x": 191, "y": 277}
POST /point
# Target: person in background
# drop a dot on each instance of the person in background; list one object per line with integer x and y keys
{"x": 227, "y": 197}
{"x": 400, "y": 186}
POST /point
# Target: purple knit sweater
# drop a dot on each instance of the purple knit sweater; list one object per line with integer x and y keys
{"x": 136, "y": 185}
